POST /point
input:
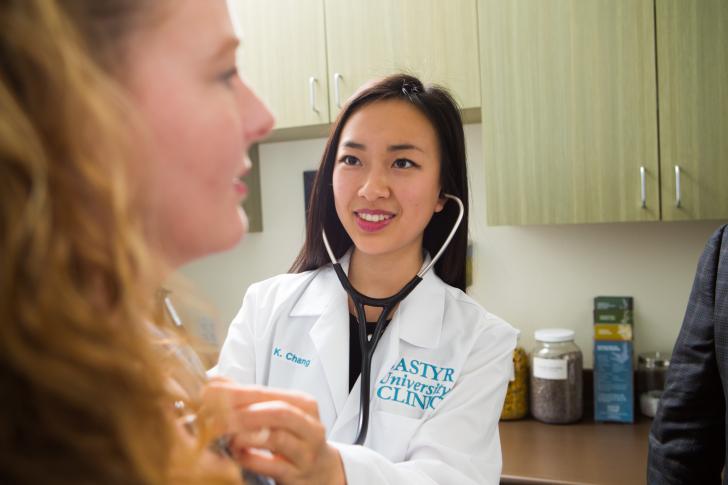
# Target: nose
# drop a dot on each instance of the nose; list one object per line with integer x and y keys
{"x": 258, "y": 121}
{"x": 375, "y": 186}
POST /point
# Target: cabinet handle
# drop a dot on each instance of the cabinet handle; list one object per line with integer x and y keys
{"x": 337, "y": 92}
{"x": 312, "y": 93}
{"x": 677, "y": 186}
{"x": 643, "y": 188}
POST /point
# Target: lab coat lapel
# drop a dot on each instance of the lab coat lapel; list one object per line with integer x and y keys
{"x": 330, "y": 334}
{"x": 422, "y": 312}
{"x": 345, "y": 427}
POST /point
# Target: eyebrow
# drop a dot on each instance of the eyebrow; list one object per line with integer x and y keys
{"x": 391, "y": 148}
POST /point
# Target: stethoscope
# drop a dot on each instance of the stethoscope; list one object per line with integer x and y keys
{"x": 220, "y": 445}
{"x": 369, "y": 345}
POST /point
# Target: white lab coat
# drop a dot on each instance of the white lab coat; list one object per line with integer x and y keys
{"x": 439, "y": 375}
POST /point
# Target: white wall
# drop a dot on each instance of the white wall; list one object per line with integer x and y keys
{"x": 534, "y": 277}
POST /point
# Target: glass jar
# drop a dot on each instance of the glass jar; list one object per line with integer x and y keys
{"x": 556, "y": 377}
{"x": 515, "y": 405}
{"x": 651, "y": 372}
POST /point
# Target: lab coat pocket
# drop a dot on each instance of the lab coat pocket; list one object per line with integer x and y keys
{"x": 391, "y": 433}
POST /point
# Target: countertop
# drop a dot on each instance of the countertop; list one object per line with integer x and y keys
{"x": 580, "y": 453}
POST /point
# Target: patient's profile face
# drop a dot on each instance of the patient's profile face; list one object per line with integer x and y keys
{"x": 200, "y": 120}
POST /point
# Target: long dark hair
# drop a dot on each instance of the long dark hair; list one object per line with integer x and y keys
{"x": 441, "y": 109}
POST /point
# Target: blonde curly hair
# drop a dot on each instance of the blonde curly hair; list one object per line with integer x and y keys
{"x": 85, "y": 394}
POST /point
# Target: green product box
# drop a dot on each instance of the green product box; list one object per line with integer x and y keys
{"x": 613, "y": 316}
{"x": 613, "y": 303}
{"x": 613, "y": 361}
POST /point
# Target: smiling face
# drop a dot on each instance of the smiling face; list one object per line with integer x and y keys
{"x": 386, "y": 178}
{"x": 201, "y": 120}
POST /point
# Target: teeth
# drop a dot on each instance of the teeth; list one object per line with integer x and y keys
{"x": 373, "y": 217}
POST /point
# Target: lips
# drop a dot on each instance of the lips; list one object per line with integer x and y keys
{"x": 238, "y": 183}
{"x": 239, "y": 186}
{"x": 373, "y": 220}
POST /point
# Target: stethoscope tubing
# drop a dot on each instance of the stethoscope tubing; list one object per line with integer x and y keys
{"x": 368, "y": 346}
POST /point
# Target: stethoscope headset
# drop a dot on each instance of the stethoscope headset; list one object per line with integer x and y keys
{"x": 369, "y": 345}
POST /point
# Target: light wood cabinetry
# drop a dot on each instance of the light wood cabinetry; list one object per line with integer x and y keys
{"x": 283, "y": 57}
{"x": 604, "y": 111}
{"x": 306, "y": 57}
{"x": 587, "y": 106}
{"x": 435, "y": 40}
{"x": 569, "y": 111}
{"x": 692, "y": 60}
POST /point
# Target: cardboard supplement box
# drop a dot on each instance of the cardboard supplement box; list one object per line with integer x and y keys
{"x": 613, "y": 359}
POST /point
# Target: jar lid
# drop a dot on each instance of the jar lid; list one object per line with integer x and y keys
{"x": 654, "y": 359}
{"x": 554, "y": 335}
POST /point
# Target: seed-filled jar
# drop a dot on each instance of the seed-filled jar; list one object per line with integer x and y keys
{"x": 556, "y": 377}
{"x": 516, "y": 403}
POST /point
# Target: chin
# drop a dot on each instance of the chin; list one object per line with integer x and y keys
{"x": 234, "y": 234}
{"x": 372, "y": 249}
{"x": 224, "y": 238}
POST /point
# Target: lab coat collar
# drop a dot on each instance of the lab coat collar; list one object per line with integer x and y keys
{"x": 323, "y": 290}
{"x": 418, "y": 321}
{"x": 420, "y": 314}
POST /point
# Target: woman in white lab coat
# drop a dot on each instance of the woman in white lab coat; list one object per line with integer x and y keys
{"x": 440, "y": 372}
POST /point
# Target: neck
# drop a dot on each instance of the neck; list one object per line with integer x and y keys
{"x": 160, "y": 269}
{"x": 381, "y": 276}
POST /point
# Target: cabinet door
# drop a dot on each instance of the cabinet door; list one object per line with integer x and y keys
{"x": 283, "y": 57}
{"x": 692, "y": 60}
{"x": 569, "y": 110}
{"x": 435, "y": 40}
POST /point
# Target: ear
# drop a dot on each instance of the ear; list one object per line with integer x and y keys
{"x": 441, "y": 201}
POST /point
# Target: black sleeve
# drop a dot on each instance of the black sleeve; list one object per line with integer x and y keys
{"x": 687, "y": 440}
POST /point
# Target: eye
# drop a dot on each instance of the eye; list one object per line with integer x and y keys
{"x": 350, "y": 160}
{"x": 404, "y": 163}
{"x": 229, "y": 76}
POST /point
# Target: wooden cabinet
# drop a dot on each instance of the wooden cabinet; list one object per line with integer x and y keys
{"x": 306, "y": 57}
{"x": 435, "y": 40}
{"x": 283, "y": 57}
{"x": 569, "y": 111}
{"x": 587, "y": 105}
{"x": 692, "y": 60}
{"x": 571, "y": 94}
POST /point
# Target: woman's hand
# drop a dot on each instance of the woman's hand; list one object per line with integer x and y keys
{"x": 277, "y": 433}
{"x": 288, "y": 444}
